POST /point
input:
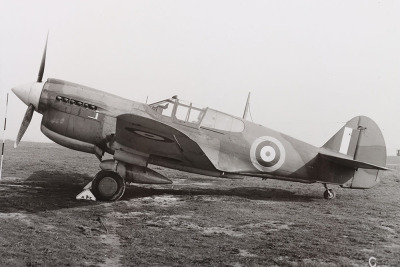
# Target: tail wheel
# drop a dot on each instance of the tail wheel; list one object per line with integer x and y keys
{"x": 108, "y": 186}
{"x": 329, "y": 194}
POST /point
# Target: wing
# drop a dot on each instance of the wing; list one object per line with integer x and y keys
{"x": 158, "y": 139}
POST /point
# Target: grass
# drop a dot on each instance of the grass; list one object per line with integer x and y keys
{"x": 197, "y": 221}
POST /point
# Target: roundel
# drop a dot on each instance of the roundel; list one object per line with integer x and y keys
{"x": 267, "y": 154}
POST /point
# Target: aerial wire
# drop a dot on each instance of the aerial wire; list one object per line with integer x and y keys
{"x": 4, "y": 138}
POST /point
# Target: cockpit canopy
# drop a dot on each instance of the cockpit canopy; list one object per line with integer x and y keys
{"x": 192, "y": 115}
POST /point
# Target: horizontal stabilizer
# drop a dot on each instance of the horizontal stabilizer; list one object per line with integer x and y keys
{"x": 347, "y": 160}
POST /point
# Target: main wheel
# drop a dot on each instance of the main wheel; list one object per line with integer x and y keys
{"x": 108, "y": 186}
{"x": 329, "y": 194}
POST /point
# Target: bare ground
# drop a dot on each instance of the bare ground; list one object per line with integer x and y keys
{"x": 197, "y": 221}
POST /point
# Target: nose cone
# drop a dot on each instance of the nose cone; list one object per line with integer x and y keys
{"x": 29, "y": 93}
{"x": 23, "y": 91}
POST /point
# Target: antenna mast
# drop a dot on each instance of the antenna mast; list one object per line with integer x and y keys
{"x": 246, "y": 109}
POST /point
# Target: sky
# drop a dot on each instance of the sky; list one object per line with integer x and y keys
{"x": 310, "y": 65}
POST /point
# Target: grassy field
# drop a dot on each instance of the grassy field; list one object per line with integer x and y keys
{"x": 197, "y": 221}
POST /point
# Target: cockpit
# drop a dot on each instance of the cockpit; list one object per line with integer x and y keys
{"x": 187, "y": 113}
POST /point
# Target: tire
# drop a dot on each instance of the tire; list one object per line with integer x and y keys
{"x": 108, "y": 186}
{"x": 329, "y": 194}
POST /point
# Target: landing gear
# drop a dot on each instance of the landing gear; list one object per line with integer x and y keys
{"x": 108, "y": 186}
{"x": 329, "y": 193}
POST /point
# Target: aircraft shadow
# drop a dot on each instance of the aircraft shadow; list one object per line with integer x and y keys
{"x": 54, "y": 190}
{"x": 252, "y": 193}
{"x": 43, "y": 191}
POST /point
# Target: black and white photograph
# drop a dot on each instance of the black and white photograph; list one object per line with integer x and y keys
{"x": 200, "y": 133}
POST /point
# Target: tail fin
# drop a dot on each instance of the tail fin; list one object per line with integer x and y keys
{"x": 358, "y": 145}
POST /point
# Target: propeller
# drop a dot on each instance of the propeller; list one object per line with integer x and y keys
{"x": 43, "y": 63}
{"x": 25, "y": 123}
{"x": 30, "y": 94}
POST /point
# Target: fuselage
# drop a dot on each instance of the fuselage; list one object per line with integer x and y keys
{"x": 85, "y": 119}
{"x": 180, "y": 135}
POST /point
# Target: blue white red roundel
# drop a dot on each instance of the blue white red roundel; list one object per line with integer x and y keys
{"x": 267, "y": 154}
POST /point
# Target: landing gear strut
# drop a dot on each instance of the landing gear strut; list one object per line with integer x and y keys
{"x": 108, "y": 186}
{"x": 329, "y": 193}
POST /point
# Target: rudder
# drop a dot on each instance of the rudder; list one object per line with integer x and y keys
{"x": 361, "y": 140}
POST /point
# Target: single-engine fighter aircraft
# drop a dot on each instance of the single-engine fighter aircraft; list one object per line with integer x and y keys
{"x": 183, "y": 136}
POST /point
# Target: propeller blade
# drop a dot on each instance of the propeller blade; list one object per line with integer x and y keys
{"x": 25, "y": 123}
{"x": 41, "y": 70}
